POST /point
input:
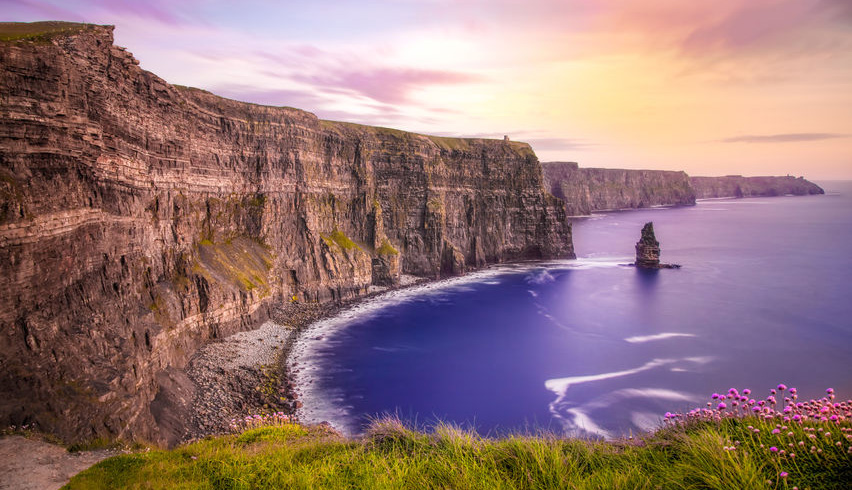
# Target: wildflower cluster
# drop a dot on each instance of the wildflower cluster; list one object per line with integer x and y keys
{"x": 265, "y": 420}
{"x": 736, "y": 404}
{"x": 796, "y": 435}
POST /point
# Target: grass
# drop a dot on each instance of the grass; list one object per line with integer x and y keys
{"x": 386, "y": 248}
{"x": 241, "y": 261}
{"x": 339, "y": 238}
{"x": 727, "y": 453}
{"x": 40, "y": 31}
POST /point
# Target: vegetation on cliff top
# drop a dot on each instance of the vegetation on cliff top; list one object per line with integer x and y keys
{"x": 735, "y": 443}
{"x": 40, "y": 31}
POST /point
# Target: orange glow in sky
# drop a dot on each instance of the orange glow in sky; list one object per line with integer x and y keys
{"x": 752, "y": 87}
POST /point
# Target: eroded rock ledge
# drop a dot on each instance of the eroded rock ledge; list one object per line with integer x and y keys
{"x": 139, "y": 219}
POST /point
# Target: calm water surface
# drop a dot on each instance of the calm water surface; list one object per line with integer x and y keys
{"x": 593, "y": 347}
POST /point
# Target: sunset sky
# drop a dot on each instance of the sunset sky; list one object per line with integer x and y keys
{"x": 752, "y": 87}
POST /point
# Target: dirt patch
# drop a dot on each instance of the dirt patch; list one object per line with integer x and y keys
{"x": 33, "y": 464}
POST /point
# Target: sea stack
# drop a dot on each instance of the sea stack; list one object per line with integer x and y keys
{"x": 648, "y": 250}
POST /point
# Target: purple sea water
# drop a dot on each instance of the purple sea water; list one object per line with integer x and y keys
{"x": 592, "y": 347}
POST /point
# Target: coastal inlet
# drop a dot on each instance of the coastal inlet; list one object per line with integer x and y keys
{"x": 594, "y": 348}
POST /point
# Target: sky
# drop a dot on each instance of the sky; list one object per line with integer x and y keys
{"x": 750, "y": 87}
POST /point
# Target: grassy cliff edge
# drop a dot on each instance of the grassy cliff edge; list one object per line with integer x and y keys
{"x": 737, "y": 442}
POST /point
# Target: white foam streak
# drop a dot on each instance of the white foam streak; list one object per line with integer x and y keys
{"x": 580, "y": 421}
{"x": 660, "y": 336}
{"x": 561, "y": 385}
{"x": 646, "y": 421}
{"x": 574, "y": 417}
{"x": 625, "y": 393}
{"x": 540, "y": 277}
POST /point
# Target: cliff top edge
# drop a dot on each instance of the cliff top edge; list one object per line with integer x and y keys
{"x": 46, "y": 30}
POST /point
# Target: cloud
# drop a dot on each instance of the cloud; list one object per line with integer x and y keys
{"x": 300, "y": 99}
{"x": 46, "y": 11}
{"x": 391, "y": 85}
{"x": 559, "y": 144}
{"x": 783, "y": 138}
{"x": 748, "y": 25}
{"x": 162, "y": 11}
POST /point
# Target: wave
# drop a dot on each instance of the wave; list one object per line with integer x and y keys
{"x": 561, "y": 385}
{"x": 576, "y": 419}
{"x": 660, "y": 336}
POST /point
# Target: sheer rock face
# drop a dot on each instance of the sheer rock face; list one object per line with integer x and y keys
{"x": 139, "y": 219}
{"x": 648, "y": 248}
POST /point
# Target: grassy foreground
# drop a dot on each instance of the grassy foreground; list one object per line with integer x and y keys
{"x": 728, "y": 453}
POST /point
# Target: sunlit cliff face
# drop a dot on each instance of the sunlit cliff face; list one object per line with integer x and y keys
{"x": 727, "y": 87}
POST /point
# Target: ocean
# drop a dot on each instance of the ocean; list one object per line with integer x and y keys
{"x": 594, "y": 348}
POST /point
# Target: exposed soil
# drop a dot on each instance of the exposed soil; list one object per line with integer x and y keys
{"x": 33, "y": 464}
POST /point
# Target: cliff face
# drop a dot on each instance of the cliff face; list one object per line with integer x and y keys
{"x": 739, "y": 186}
{"x": 598, "y": 189}
{"x": 139, "y": 219}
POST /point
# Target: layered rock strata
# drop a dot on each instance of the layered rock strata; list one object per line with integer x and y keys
{"x": 140, "y": 219}
{"x": 585, "y": 190}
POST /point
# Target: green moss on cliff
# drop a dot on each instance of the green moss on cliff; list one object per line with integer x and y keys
{"x": 242, "y": 262}
{"x": 41, "y": 31}
{"x": 340, "y": 239}
{"x": 386, "y": 248}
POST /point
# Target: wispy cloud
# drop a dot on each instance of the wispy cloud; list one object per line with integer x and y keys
{"x": 545, "y": 144}
{"x": 392, "y": 85}
{"x": 783, "y": 138}
{"x": 300, "y": 99}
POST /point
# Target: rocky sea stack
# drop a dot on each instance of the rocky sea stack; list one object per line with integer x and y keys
{"x": 648, "y": 250}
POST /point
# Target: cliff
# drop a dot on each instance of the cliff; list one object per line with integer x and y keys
{"x": 598, "y": 189}
{"x": 739, "y": 186}
{"x": 140, "y": 219}
{"x": 585, "y": 190}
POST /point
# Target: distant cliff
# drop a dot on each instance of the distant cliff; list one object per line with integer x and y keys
{"x": 139, "y": 219}
{"x": 598, "y": 189}
{"x": 739, "y": 186}
{"x": 585, "y": 190}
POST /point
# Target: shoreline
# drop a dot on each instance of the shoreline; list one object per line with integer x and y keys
{"x": 316, "y": 408}
{"x": 248, "y": 372}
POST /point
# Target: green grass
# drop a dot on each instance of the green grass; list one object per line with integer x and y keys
{"x": 339, "y": 238}
{"x": 40, "y": 31}
{"x": 386, "y": 248}
{"x": 391, "y": 455}
{"x": 241, "y": 261}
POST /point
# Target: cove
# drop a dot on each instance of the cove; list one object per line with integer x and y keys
{"x": 591, "y": 347}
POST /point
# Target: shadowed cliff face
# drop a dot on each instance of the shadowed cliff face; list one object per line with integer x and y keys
{"x": 139, "y": 219}
{"x": 599, "y": 189}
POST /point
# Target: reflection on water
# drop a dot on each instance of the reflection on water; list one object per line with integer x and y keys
{"x": 597, "y": 348}
{"x": 647, "y": 279}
